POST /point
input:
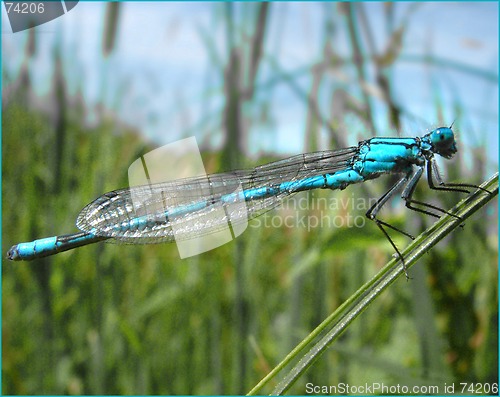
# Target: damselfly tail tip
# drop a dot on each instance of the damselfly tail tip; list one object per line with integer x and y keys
{"x": 13, "y": 253}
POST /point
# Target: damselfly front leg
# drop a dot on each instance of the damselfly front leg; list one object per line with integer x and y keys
{"x": 409, "y": 189}
{"x": 433, "y": 172}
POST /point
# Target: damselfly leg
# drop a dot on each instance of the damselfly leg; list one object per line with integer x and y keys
{"x": 433, "y": 172}
{"x": 409, "y": 184}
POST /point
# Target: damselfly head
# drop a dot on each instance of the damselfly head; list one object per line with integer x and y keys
{"x": 443, "y": 142}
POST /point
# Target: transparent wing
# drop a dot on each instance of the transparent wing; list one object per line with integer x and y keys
{"x": 192, "y": 207}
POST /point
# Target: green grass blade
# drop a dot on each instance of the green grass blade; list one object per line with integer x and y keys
{"x": 333, "y": 326}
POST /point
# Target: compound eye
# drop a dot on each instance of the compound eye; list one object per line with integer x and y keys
{"x": 443, "y": 142}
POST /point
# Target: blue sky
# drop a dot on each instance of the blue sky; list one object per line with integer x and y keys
{"x": 161, "y": 77}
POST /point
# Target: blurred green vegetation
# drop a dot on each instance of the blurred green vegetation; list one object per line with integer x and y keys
{"x": 115, "y": 319}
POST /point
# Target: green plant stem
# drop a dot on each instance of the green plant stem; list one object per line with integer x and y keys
{"x": 333, "y": 326}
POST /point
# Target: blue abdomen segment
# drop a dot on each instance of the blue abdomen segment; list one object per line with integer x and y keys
{"x": 342, "y": 179}
{"x": 37, "y": 247}
{"x": 314, "y": 182}
{"x": 50, "y": 246}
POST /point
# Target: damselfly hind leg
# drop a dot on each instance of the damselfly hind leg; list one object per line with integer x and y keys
{"x": 373, "y": 211}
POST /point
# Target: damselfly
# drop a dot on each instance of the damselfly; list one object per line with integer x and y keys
{"x": 178, "y": 205}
